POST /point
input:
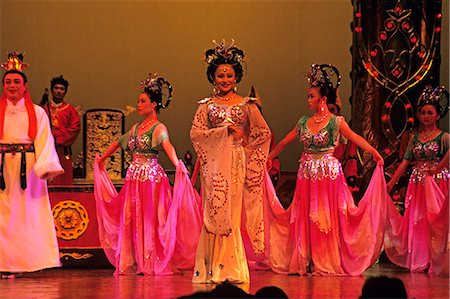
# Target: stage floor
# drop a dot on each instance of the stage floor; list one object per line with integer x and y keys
{"x": 100, "y": 283}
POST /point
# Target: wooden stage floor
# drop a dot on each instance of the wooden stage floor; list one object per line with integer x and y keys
{"x": 100, "y": 283}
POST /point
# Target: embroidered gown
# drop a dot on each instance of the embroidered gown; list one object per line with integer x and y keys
{"x": 27, "y": 230}
{"x": 328, "y": 234}
{"x": 232, "y": 174}
{"x": 419, "y": 239}
{"x": 141, "y": 228}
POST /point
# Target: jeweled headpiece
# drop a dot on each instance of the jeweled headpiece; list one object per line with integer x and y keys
{"x": 224, "y": 52}
{"x": 323, "y": 75}
{"x": 155, "y": 84}
{"x": 15, "y": 62}
{"x": 438, "y": 97}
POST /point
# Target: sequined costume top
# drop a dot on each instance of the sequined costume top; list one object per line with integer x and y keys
{"x": 220, "y": 115}
{"x": 317, "y": 161}
{"x": 427, "y": 154}
{"x": 145, "y": 166}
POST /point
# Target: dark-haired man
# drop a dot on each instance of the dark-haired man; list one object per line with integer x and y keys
{"x": 65, "y": 124}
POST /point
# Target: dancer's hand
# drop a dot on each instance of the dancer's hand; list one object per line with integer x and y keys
{"x": 377, "y": 158}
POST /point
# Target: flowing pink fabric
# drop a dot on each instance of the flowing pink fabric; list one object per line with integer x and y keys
{"x": 419, "y": 239}
{"x": 324, "y": 229}
{"x": 186, "y": 205}
{"x": 139, "y": 227}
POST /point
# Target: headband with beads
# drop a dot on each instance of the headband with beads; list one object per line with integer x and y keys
{"x": 438, "y": 97}
{"x": 155, "y": 84}
{"x": 324, "y": 74}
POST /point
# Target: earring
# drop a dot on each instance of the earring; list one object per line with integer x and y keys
{"x": 235, "y": 89}
{"x": 322, "y": 109}
{"x": 215, "y": 91}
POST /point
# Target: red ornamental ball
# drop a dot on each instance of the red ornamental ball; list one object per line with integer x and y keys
{"x": 407, "y": 106}
{"x": 387, "y": 151}
{"x": 383, "y": 36}
{"x": 358, "y": 15}
{"x": 439, "y": 15}
{"x": 387, "y": 105}
{"x": 373, "y": 53}
{"x": 390, "y": 25}
{"x": 385, "y": 117}
{"x": 437, "y": 30}
{"x": 405, "y": 25}
{"x": 413, "y": 39}
{"x": 411, "y": 120}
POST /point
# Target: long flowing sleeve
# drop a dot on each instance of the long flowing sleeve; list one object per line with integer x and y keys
{"x": 256, "y": 153}
{"x": 47, "y": 161}
{"x": 213, "y": 147}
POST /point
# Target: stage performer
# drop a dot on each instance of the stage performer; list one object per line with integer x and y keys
{"x": 145, "y": 229}
{"x": 65, "y": 125}
{"x": 28, "y": 158}
{"x": 329, "y": 234}
{"x": 419, "y": 240}
{"x": 231, "y": 140}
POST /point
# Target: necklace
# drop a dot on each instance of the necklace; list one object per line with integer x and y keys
{"x": 145, "y": 124}
{"x": 321, "y": 119}
{"x": 426, "y": 135}
{"x": 226, "y": 99}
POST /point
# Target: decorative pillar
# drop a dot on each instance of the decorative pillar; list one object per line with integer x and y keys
{"x": 396, "y": 52}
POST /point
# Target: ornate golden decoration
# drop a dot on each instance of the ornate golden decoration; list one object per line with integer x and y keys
{"x": 71, "y": 219}
{"x": 75, "y": 255}
{"x": 103, "y": 127}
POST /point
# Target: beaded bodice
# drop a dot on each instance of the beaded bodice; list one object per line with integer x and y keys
{"x": 142, "y": 144}
{"x": 426, "y": 151}
{"x": 220, "y": 114}
{"x": 427, "y": 155}
{"x": 325, "y": 140}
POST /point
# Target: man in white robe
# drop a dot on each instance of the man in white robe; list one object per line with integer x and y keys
{"x": 28, "y": 158}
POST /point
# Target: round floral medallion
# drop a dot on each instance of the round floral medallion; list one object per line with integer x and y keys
{"x": 71, "y": 219}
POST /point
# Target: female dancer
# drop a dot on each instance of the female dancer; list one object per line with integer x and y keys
{"x": 418, "y": 240}
{"x": 232, "y": 141}
{"x": 329, "y": 234}
{"x": 138, "y": 227}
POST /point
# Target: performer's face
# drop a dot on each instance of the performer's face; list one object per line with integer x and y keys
{"x": 428, "y": 115}
{"x": 314, "y": 99}
{"x": 58, "y": 92}
{"x": 145, "y": 105}
{"x": 224, "y": 78}
{"x": 14, "y": 87}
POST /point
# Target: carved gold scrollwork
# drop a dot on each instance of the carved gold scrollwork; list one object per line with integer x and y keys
{"x": 75, "y": 255}
{"x": 71, "y": 219}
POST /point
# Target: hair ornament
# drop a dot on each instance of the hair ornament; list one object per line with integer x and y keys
{"x": 15, "y": 62}
{"x": 225, "y": 52}
{"x": 155, "y": 84}
{"x": 438, "y": 97}
{"x": 324, "y": 74}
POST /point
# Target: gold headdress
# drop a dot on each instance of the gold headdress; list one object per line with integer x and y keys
{"x": 15, "y": 62}
{"x": 224, "y": 52}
